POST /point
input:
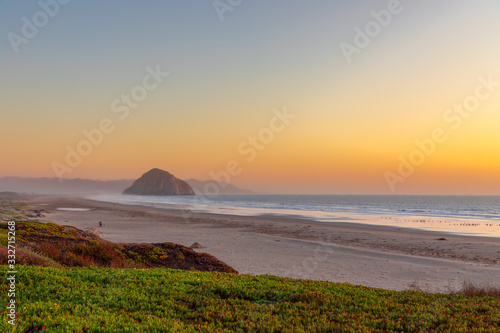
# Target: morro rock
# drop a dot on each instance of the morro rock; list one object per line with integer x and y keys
{"x": 159, "y": 182}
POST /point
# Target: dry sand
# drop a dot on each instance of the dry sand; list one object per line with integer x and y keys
{"x": 375, "y": 256}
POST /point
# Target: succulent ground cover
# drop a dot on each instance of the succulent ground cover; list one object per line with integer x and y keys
{"x": 162, "y": 300}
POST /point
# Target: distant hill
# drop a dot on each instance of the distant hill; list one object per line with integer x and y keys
{"x": 67, "y": 186}
{"x": 224, "y": 188}
{"x": 89, "y": 186}
{"x": 159, "y": 182}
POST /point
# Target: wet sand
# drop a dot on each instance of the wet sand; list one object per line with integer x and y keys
{"x": 369, "y": 255}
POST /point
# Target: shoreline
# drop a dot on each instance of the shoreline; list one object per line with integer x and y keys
{"x": 296, "y": 219}
{"x": 376, "y": 256}
{"x": 432, "y": 223}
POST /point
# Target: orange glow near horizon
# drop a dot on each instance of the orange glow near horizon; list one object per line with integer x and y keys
{"x": 353, "y": 121}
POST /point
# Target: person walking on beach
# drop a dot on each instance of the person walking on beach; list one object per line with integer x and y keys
{"x": 100, "y": 224}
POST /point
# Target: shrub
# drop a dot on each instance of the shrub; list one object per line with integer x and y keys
{"x": 118, "y": 252}
{"x": 70, "y": 259}
{"x": 470, "y": 288}
{"x": 93, "y": 249}
{"x": 180, "y": 257}
{"x": 157, "y": 254}
{"x": 136, "y": 257}
{"x": 49, "y": 250}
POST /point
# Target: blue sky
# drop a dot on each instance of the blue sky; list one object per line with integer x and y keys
{"x": 227, "y": 76}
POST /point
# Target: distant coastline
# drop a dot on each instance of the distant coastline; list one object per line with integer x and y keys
{"x": 77, "y": 186}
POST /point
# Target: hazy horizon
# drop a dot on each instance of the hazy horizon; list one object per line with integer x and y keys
{"x": 255, "y": 191}
{"x": 365, "y": 97}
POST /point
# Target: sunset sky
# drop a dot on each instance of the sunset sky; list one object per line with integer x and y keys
{"x": 353, "y": 119}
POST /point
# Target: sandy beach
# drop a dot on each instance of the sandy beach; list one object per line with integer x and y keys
{"x": 375, "y": 256}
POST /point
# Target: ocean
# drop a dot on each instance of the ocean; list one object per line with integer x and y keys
{"x": 465, "y": 215}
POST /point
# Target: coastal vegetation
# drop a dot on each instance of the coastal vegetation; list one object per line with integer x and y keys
{"x": 53, "y": 245}
{"x": 100, "y": 299}
{"x": 69, "y": 280}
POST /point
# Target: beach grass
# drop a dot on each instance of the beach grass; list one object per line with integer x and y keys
{"x": 165, "y": 300}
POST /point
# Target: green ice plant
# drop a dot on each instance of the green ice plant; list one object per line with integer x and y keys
{"x": 165, "y": 300}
